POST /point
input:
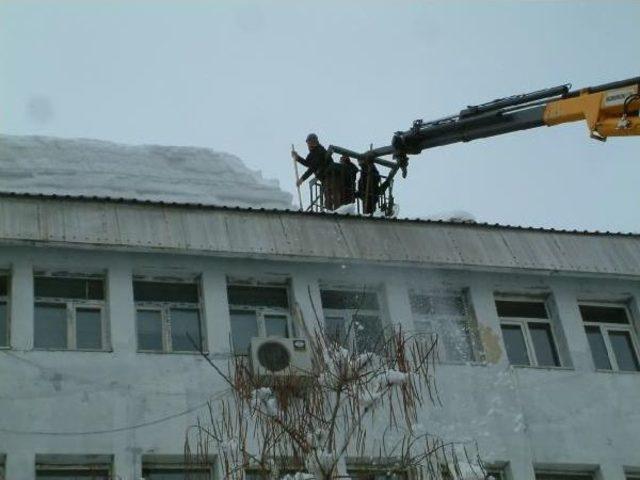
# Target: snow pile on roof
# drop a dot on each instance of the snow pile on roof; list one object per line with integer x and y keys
{"x": 48, "y": 165}
{"x": 457, "y": 216}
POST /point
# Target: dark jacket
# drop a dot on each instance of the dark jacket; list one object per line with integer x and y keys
{"x": 369, "y": 181}
{"x": 317, "y": 161}
{"x": 348, "y": 174}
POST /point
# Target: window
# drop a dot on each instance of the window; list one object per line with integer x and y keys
{"x": 257, "y": 311}
{"x": 611, "y": 337}
{"x": 495, "y": 473}
{"x": 69, "y": 313}
{"x": 564, "y": 476}
{"x": 4, "y": 311}
{"x": 70, "y": 467}
{"x": 176, "y": 472}
{"x": 168, "y": 316}
{"x": 374, "y": 472}
{"x": 447, "y": 316}
{"x": 527, "y": 332}
{"x": 352, "y": 319}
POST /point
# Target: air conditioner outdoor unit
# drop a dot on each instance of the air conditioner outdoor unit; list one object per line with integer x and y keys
{"x": 280, "y": 357}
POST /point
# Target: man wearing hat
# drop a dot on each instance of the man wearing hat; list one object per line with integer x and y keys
{"x": 321, "y": 166}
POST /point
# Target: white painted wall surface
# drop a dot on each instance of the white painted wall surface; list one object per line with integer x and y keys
{"x": 525, "y": 416}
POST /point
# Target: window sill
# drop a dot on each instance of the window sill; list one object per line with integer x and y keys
{"x": 158, "y": 352}
{"x": 543, "y": 367}
{"x": 66, "y": 350}
{"x": 469, "y": 364}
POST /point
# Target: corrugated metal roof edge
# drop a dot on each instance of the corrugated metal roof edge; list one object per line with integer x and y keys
{"x": 137, "y": 201}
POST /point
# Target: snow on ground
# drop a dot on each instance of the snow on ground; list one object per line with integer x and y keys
{"x": 49, "y": 165}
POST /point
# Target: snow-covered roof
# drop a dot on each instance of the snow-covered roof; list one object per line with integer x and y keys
{"x": 84, "y": 167}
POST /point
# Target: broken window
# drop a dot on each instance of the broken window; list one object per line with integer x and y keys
{"x": 69, "y": 313}
{"x": 447, "y": 316}
{"x": 4, "y": 311}
{"x": 352, "y": 319}
{"x": 527, "y": 332}
{"x": 611, "y": 337}
{"x": 168, "y": 316}
{"x": 257, "y": 311}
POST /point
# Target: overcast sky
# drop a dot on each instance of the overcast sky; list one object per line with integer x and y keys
{"x": 250, "y": 78}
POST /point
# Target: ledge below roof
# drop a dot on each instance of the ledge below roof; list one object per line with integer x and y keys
{"x": 109, "y": 223}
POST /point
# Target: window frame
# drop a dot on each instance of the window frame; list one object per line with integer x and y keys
{"x": 347, "y": 314}
{"x": 6, "y": 299}
{"x": 380, "y": 469}
{"x": 178, "y": 467}
{"x": 72, "y": 305}
{"x": 523, "y": 324}
{"x": 261, "y": 311}
{"x": 75, "y": 468}
{"x": 586, "y": 475}
{"x": 467, "y": 317}
{"x": 165, "y": 315}
{"x": 629, "y": 328}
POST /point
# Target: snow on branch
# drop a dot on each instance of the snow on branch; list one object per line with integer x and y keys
{"x": 352, "y": 404}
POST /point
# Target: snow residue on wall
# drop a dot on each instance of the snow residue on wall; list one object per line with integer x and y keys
{"x": 49, "y": 165}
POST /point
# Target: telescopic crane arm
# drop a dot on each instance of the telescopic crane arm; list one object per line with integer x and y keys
{"x": 610, "y": 110}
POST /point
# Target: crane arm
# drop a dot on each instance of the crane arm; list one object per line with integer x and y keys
{"x": 610, "y": 110}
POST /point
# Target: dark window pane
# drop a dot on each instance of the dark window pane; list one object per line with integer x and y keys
{"x": 624, "y": 351}
{"x": 256, "y": 296}
{"x": 149, "y": 330}
{"x": 336, "y": 330}
{"x": 437, "y": 305}
{"x": 88, "y": 329}
{"x": 542, "y": 340}
{"x": 72, "y": 474}
{"x": 368, "y": 332}
{"x": 176, "y": 474}
{"x": 276, "y": 326}
{"x": 340, "y": 300}
{"x": 592, "y": 313}
{"x": 598, "y": 348}
{"x": 95, "y": 289}
{"x": 563, "y": 476}
{"x": 4, "y": 325}
{"x": 185, "y": 323}
{"x": 50, "y": 326}
{"x": 73, "y": 288}
{"x": 4, "y": 286}
{"x": 165, "y": 292}
{"x": 514, "y": 343}
{"x": 511, "y": 308}
{"x": 244, "y": 326}
{"x": 496, "y": 474}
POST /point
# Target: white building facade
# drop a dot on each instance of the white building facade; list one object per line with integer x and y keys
{"x": 100, "y": 301}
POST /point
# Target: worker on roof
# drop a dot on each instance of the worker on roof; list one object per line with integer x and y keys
{"x": 368, "y": 185}
{"x": 323, "y": 167}
{"x": 348, "y": 173}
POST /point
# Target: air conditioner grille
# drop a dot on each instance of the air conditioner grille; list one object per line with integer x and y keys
{"x": 273, "y": 356}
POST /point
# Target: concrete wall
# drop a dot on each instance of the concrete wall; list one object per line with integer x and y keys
{"x": 548, "y": 417}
